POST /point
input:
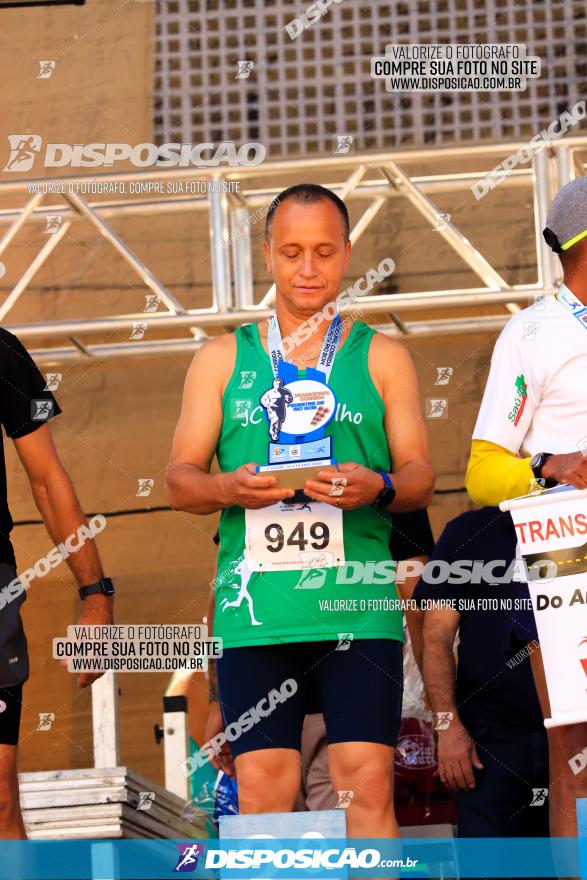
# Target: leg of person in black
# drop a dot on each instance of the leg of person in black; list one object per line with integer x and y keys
{"x": 500, "y": 805}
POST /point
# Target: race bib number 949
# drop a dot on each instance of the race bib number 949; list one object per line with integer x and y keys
{"x": 284, "y": 537}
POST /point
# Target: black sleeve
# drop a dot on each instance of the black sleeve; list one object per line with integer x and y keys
{"x": 411, "y": 535}
{"x": 26, "y": 404}
{"x": 434, "y": 584}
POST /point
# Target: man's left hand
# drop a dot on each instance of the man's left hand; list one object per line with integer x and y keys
{"x": 96, "y": 611}
{"x": 362, "y": 486}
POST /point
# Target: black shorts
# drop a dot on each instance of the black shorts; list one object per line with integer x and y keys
{"x": 14, "y": 658}
{"x": 266, "y": 690}
{"x": 10, "y": 706}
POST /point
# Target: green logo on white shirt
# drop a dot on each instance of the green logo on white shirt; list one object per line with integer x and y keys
{"x": 515, "y": 414}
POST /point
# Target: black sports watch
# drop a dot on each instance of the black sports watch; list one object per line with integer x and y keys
{"x": 537, "y": 462}
{"x": 388, "y": 492}
{"x": 105, "y": 586}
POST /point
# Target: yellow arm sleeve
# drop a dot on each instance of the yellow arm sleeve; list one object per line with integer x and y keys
{"x": 495, "y": 473}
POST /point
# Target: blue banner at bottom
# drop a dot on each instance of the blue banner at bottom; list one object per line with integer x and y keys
{"x": 291, "y": 859}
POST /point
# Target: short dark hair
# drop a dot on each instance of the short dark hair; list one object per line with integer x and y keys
{"x": 308, "y": 194}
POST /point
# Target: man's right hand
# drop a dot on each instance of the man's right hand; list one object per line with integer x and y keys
{"x": 457, "y": 755}
{"x": 245, "y": 488}
{"x": 570, "y": 468}
{"x": 215, "y": 725}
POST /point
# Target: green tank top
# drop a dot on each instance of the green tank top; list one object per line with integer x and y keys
{"x": 265, "y": 608}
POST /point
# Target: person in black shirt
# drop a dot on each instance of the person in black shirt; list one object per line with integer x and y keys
{"x": 26, "y": 406}
{"x": 492, "y": 746}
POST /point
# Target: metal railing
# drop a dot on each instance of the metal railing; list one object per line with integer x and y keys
{"x": 229, "y": 227}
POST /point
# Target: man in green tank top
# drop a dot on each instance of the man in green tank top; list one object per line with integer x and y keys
{"x": 305, "y": 599}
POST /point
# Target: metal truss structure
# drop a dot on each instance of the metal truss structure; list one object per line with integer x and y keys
{"x": 376, "y": 177}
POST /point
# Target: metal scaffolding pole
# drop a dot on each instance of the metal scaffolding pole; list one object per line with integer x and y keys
{"x": 125, "y": 252}
{"x": 219, "y": 226}
{"x": 31, "y": 270}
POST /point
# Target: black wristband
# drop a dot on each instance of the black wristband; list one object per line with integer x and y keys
{"x": 105, "y": 587}
{"x": 537, "y": 463}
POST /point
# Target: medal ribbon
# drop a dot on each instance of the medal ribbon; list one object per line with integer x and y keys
{"x": 327, "y": 353}
{"x": 574, "y": 305}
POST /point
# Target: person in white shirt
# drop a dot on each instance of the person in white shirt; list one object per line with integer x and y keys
{"x": 532, "y": 426}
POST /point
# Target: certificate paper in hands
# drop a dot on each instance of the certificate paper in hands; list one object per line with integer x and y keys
{"x": 293, "y": 476}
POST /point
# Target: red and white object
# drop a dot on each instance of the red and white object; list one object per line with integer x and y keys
{"x": 554, "y": 525}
